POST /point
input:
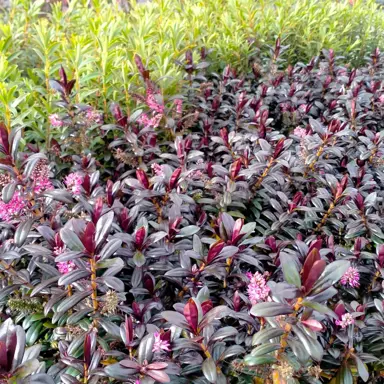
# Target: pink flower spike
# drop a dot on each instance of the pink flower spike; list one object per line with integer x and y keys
{"x": 179, "y": 106}
{"x": 65, "y": 267}
{"x": 346, "y": 320}
{"x": 160, "y": 345}
{"x": 300, "y": 132}
{"x": 42, "y": 185}
{"x": 351, "y": 278}
{"x": 73, "y": 182}
{"x": 257, "y": 288}
{"x": 55, "y": 120}
{"x": 13, "y": 208}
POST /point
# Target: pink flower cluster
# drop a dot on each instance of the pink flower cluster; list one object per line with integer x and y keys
{"x": 160, "y": 345}
{"x": 55, "y": 120}
{"x": 157, "y": 169}
{"x": 257, "y": 288}
{"x": 73, "y": 182}
{"x": 351, "y": 278}
{"x": 300, "y": 132}
{"x": 150, "y": 122}
{"x": 94, "y": 116}
{"x": 66, "y": 266}
{"x": 153, "y": 103}
{"x": 42, "y": 185}
{"x": 13, "y": 208}
{"x": 179, "y": 106}
{"x": 346, "y": 320}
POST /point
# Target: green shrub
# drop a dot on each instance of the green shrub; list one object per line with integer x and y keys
{"x": 97, "y": 44}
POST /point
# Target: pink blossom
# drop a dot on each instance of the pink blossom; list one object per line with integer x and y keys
{"x": 94, "y": 116}
{"x": 55, "y": 120}
{"x": 257, "y": 288}
{"x": 346, "y": 320}
{"x": 13, "y": 208}
{"x": 150, "y": 122}
{"x": 42, "y": 185}
{"x": 74, "y": 181}
{"x": 351, "y": 277}
{"x": 300, "y": 132}
{"x": 153, "y": 103}
{"x": 65, "y": 266}
{"x": 160, "y": 345}
{"x": 157, "y": 169}
{"x": 179, "y": 106}
{"x": 58, "y": 250}
{"x": 381, "y": 99}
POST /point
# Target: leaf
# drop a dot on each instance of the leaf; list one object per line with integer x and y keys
{"x": 39, "y": 378}
{"x": 344, "y": 375}
{"x": 71, "y": 301}
{"x": 73, "y": 276}
{"x": 110, "y": 327}
{"x": 114, "y": 282}
{"x": 175, "y": 318}
{"x": 333, "y": 272}
{"x": 270, "y": 309}
{"x": 191, "y": 314}
{"x": 188, "y": 231}
{"x": 312, "y": 346}
{"x": 316, "y": 271}
{"x": 291, "y": 274}
{"x": 22, "y": 232}
{"x": 59, "y": 195}
{"x": 119, "y": 372}
{"x": 312, "y": 257}
{"x": 259, "y": 360}
{"x": 361, "y": 368}
{"x": 44, "y": 284}
{"x": 265, "y": 349}
{"x": 8, "y": 290}
{"x": 78, "y": 315}
{"x": 8, "y": 192}
{"x": 33, "y": 332}
{"x": 209, "y": 370}
{"x": 103, "y": 227}
{"x": 216, "y": 313}
{"x": 71, "y": 240}
{"x": 233, "y": 350}
{"x": 223, "y": 333}
{"x": 110, "y": 248}
{"x": 266, "y": 334}
{"x": 144, "y": 351}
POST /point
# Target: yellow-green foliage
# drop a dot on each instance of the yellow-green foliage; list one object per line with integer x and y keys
{"x": 95, "y": 41}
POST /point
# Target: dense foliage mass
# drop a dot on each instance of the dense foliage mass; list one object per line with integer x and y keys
{"x": 228, "y": 234}
{"x": 96, "y": 42}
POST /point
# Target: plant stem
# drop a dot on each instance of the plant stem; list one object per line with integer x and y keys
{"x": 95, "y": 303}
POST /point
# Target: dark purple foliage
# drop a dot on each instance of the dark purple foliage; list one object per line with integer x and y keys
{"x": 236, "y": 232}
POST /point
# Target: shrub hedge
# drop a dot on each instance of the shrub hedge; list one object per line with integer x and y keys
{"x": 97, "y": 44}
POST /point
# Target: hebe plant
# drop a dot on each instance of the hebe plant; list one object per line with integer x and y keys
{"x": 234, "y": 236}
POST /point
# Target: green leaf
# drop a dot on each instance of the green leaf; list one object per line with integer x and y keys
{"x": 266, "y": 335}
{"x": 71, "y": 301}
{"x": 259, "y": 360}
{"x": 291, "y": 274}
{"x": 265, "y": 349}
{"x": 312, "y": 346}
{"x": 344, "y": 376}
{"x": 209, "y": 370}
